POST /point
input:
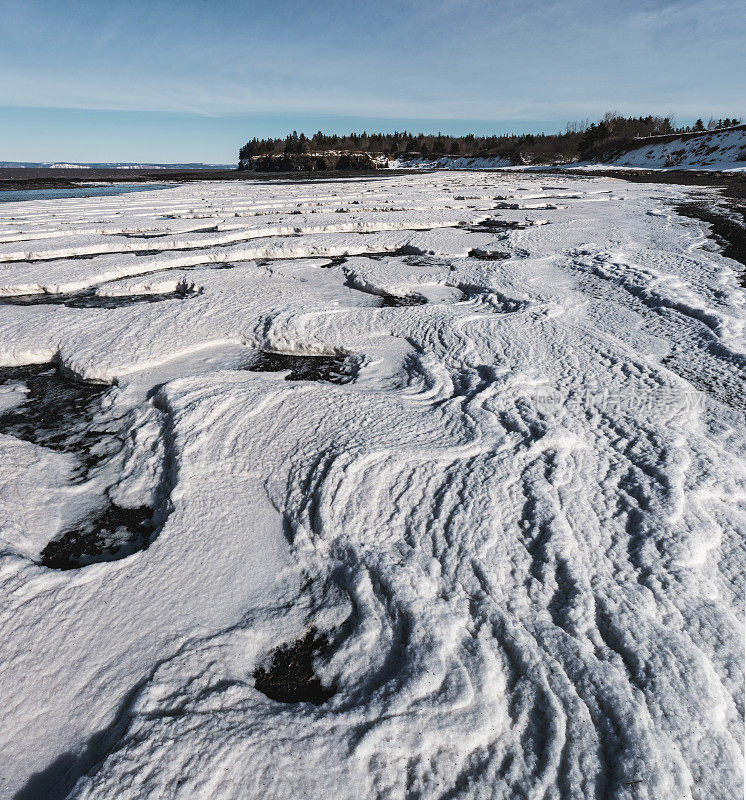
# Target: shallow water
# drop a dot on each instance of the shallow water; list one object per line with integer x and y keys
{"x": 19, "y": 195}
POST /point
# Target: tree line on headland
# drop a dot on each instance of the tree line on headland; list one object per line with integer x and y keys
{"x": 578, "y": 141}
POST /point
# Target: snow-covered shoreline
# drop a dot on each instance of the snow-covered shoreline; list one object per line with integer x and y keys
{"x": 721, "y": 150}
{"x": 512, "y": 497}
{"x": 715, "y": 151}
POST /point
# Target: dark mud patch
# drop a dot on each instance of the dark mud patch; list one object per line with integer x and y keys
{"x": 89, "y": 299}
{"x": 57, "y": 411}
{"x": 141, "y": 253}
{"x": 82, "y": 257}
{"x": 427, "y": 261}
{"x": 728, "y": 232}
{"x": 334, "y": 261}
{"x": 402, "y": 301}
{"x": 331, "y": 369}
{"x": 290, "y": 677}
{"x": 494, "y": 226}
{"x": 114, "y": 533}
{"x": 489, "y": 255}
{"x": 65, "y": 414}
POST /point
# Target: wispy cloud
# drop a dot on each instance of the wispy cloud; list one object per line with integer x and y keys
{"x": 464, "y": 59}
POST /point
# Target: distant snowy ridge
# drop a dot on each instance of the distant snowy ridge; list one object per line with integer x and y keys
{"x": 718, "y": 150}
{"x": 107, "y": 165}
{"x": 724, "y": 149}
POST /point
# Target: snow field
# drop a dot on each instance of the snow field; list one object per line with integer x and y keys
{"x": 521, "y": 522}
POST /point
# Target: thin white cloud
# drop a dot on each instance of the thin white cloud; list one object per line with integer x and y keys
{"x": 464, "y": 59}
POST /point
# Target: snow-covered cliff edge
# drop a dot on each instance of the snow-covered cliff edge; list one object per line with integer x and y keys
{"x": 716, "y": 150}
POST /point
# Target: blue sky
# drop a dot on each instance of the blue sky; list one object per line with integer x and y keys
{"x": 96, "y": 80}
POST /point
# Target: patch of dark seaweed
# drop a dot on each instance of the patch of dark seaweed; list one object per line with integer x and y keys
{"x": 494, "y": 225}
{"x": 396, "y": 301}
{"x": 332, "y": 369}
{"x": 488, "y": 255}
{"x": 290, "y": 678}
{"x": 114, "y": 533}
{"x": 427, "y": 261}
{"x": 89, "y": 299}
{"x": 57, "y": 410}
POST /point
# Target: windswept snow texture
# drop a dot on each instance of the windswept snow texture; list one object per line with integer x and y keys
{"x": 489, "y": 545}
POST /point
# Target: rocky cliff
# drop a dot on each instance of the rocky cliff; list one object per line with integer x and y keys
{"x": 313, "y": 162}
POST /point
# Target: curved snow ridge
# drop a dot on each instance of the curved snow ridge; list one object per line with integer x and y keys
{"x": 669, "y": 291}
{"x": 420, "y": 292}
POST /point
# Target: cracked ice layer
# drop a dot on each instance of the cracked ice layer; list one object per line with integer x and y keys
{"x": 431, "y": 487}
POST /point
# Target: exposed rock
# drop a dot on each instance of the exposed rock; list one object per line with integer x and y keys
{"x": 313, "y": 162}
